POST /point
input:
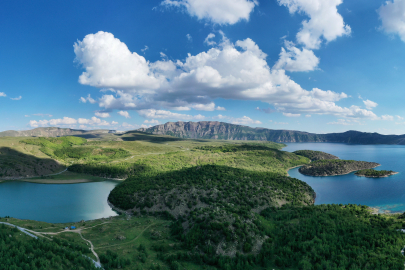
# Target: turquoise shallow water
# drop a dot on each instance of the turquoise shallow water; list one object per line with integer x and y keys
{"x": 385, "y": 193}
{"x": 56, "y": 203}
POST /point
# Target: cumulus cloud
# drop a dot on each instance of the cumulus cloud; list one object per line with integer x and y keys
{"x": 2, "y": 94}
{"x": 102, "y": 114}
{"x": 245, "y": 121}
{"x": 387, "y": 117}
{"x": 370, "y": 104}
{"x": 124, "y": 113}
{"x": 292, "y": 114}
{"x": 228, "y": 70}
{"x": 208, "y": 40}
{"x": 119, "y": 68}
{"x": 163, "y": 114}
{"x": 399, "y": 117}
{"x": 67, "y": 121}
{"x": 151, "y": 121}
{"x": 324, "y": 21}
{"x": 392, "y": 16}
{"x": 207, "y": 107}
{"x": 17, "y": 98}
{"x": 216, "y": 11}
{"x": 294, "y": 59}
{"x": 88, "y": 98}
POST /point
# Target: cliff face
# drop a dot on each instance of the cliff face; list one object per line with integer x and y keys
{"x": 224, "y": 131}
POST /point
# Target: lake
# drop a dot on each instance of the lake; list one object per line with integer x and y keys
{"x": 386, "y": 193}
{"x": 56, "y": 203}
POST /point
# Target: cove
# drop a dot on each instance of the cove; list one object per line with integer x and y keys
{"x": 56, "y": 203}
{"x": 384, "y": 193}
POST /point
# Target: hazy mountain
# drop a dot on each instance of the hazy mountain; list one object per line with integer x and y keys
{"x": 49, "y": 132}
{"x": 226, "y": 131}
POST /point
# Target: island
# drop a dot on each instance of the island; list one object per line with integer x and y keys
{"x": 315, "y": 155}
{"x": 374, "y": 173}
{"x": 335, "y": 167}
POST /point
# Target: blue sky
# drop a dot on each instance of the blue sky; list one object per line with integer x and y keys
{"x": 312, "y": 65}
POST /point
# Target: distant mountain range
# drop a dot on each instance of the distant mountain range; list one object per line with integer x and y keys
{"x": 222, "y": 131}
{"x": 50, "y": 132}
{"x": 225, "y": 131}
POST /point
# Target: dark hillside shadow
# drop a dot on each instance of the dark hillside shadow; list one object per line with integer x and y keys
{"x": 142, "y": 136}
{"x": 15, "y": 164}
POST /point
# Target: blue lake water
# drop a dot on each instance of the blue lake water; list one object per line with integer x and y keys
{"x": 386, "y": 193}
{"x": 56, "y": 203}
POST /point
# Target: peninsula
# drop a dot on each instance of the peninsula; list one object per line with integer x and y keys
{"x": 335, "y": 167}
{"x": 374, "y": 173}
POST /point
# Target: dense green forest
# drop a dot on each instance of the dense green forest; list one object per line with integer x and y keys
{"x": 330, "y": 237}
{"x": 19, "y": 253}
{"x": 374, "y": 173}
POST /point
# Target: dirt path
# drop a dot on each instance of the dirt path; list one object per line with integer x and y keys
{"x": 128, "y": 241}
{"x": 91, "y": 247}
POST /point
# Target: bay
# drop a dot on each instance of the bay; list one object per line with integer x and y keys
{"x": 387, "y": 194}
{"x": 56, "y": 203}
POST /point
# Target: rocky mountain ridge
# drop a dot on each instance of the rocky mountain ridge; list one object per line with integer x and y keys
{"x": 225, "y": 131}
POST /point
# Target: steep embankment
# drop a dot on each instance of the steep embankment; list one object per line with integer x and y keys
{"x": 335, "y": 167}
{"x": 225, "y": 131}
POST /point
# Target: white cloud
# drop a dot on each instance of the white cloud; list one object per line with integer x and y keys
{"x": 189, "y": 37}
{"x": 114, "y": 123}
{"x": 152, "y": 121}
{"x": 53, "y": 122}
{"x": 245, "y": 121}
{"x": 163, "y": 114}
{"x": 346, "y": 122}
{"x": 308, "y": 115}
{"x": 94, "y": 121}
{"x": 392, "y": 15}
{"x": 88, "y": 98}
{"x": 71, "y": 122}
{"x": 370, "y": 104}
{"x": 292, "y": 114}
{"x": 207, "y": 107}
{"x": 118, "y": 69}
{"x": 324, "y": 21}
{"x": 2, "y": 94}
{"x": 145, "y": 49}
{"x": 399, "y": 117}
{"x": 102, "y": 114}
{"x": 208, "y": 40}
{"x": 27, "y": 115}
{"x": 236, "y": 71}
{"x": 387, "y": 117}
{"x": 17, "y": 98}
{"x": 294, "y": 59}
{"x": 124, "y": 113}
{"x": 216, "y": 11}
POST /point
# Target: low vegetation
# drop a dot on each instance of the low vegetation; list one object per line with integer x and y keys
{"x": 315, "y": 155}
{"x": 374, "y": 173}
{"x": 335, "y": 167}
